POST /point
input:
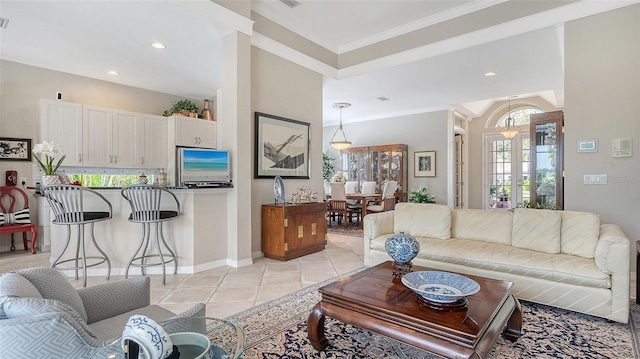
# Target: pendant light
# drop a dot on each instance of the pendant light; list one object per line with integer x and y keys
{"x": 510, "y": 131}
{"x": 337, "y": 143}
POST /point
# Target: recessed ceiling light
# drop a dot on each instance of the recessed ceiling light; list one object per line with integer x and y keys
{"x": 158, "y": 45}
{"x": 114, "y": 73}
{"x": 489, "y": 74}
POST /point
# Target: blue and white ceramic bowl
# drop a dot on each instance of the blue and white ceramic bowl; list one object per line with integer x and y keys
{"x": 153, "y": 340}
{"x": 440, "y": 287}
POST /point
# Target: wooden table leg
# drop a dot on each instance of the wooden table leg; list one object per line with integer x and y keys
{"x": 513, "y": 330}
{"x": 315, "y": 328}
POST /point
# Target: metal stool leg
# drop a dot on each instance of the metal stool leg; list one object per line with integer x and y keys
{"x": 146, "y": 238}
{"x": 133, "y": 257}
{"x": 93, "y": 239}
{"x": 173, "y": 255}
{"x": 164, "y": 271}
{"x": 64, "y": 249}
{"x": 80, "y": 230}
{"x": 84, "y": 255}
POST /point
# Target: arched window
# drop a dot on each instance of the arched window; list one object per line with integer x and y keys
{"x": 520, "y": 116}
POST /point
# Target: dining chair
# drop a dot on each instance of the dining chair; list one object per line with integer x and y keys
{"x": 14, "y": 216}
{"x": 338, "y": 205}
{"x": 351, "y": 187}
{"x": 368, "y": 187}
{"x": 387, "y": 200}
{"x": 77, "y": 206}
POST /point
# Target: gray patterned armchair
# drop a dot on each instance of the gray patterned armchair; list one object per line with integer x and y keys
{"x": 44, "y": 316}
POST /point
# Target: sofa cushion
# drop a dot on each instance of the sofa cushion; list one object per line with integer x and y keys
{"x": 15, "y": 285}
{"x": 53, "y": 285}
{"x": 482, "y": 225}
{"x": 579, "y": 233}
{"x": 15, "y": 307}
{"x": 423, "y": 220}
{"x": 536, "y": 229}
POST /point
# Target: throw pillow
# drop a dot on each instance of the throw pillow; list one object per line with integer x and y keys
{"x": 536, "y": 229}
{"x": 27, "y": 307}
{"x": 15, "y": 285}
{"x": 53, "y": 285}
{"x": 18, "y": 217}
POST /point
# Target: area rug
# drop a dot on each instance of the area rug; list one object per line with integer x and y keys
{"x": 278, "y": 329}
{"x": 353, "y": 229}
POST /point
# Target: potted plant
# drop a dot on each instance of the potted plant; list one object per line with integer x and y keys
{"x": 327, "y": 167}
{"x": 184, "y": 108}
{"x": 421, "y": 195}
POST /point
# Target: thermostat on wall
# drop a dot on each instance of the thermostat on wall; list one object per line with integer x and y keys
{"x": 622, "y": 147}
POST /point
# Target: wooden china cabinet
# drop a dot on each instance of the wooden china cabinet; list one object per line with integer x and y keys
{"x": 377, "y": 164}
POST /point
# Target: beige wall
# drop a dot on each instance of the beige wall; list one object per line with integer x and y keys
{"x": 602, "y": 99}
{"x": 421, "y": 132}
{"x": 282, "y": 88}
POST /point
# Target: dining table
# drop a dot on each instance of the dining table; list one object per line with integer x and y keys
{"x": 362, "y": 198}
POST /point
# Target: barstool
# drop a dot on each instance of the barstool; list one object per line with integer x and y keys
{"x": 68, "y": 205}
{"x": 145, "y": 202}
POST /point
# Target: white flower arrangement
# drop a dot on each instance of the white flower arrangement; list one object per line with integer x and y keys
{"x": 339, "y": 177}
{"x": 50, "y": 151}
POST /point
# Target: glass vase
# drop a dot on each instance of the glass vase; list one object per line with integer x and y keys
{"x": 48, "y": 180}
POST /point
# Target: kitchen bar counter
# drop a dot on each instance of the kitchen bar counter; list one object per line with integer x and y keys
{"x": 198, "y": 237}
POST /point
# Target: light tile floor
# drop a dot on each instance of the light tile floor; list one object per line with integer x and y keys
{"x": 228, "y": 290}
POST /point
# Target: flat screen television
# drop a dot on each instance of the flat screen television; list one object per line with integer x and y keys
{"x": 202, "y": 167}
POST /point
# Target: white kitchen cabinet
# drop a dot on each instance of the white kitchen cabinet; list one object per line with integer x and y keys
{"x": 194, "y": 132}
{"x": 153, "y": 146}
{"x": 93, "y": 136}
{"x": 61, "y": 124}
{"x": 109, "y": 137}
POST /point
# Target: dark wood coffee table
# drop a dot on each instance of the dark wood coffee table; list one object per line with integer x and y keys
{"x": 373, "y": 300}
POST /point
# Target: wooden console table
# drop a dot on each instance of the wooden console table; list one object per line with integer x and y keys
{"x": 293, "y": 230}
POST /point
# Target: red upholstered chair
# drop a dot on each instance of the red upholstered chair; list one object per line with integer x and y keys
{"x": 14, "y": 216}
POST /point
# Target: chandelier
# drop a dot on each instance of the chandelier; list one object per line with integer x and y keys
{"x": 509, "y": 132}
{"x": 337, "y": 143}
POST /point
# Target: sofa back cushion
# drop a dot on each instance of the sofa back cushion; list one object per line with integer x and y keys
{"x": 53, "y": 285}
{"x": 482, "y": 225}
{"x": 579, "y": 233}
{"x": 536, "y": 229}
{"x": 423, "y": 220}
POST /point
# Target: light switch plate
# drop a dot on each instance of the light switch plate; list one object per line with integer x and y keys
{"x": 595, "y": 179}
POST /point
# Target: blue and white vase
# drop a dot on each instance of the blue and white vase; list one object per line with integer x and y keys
{"x": 402, "y": 248}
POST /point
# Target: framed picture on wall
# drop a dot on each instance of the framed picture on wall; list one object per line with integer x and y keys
{"x": 282, "y": 147}
{"x": 15, "y": 149}
{"x": 424, "y": 164}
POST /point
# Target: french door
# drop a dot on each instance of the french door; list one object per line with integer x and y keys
{"x": 507, "y": 180}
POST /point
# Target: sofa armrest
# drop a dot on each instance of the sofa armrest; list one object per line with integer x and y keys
{"x": 109, "y": 299}
{"x": 58, "y": 335}
{"x": 612, "y": 250}
{"x": 377, "y": 224}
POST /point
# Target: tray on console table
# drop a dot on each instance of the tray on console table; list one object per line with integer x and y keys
{"x": 293, "y": 230}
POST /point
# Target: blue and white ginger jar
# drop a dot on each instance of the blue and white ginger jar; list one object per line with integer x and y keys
{"x": 402, "y": 248}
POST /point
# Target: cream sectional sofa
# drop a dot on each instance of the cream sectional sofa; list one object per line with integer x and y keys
{"x": 560, "y": 258}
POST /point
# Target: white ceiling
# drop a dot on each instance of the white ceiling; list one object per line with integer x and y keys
{"x": 89, "y": 38}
